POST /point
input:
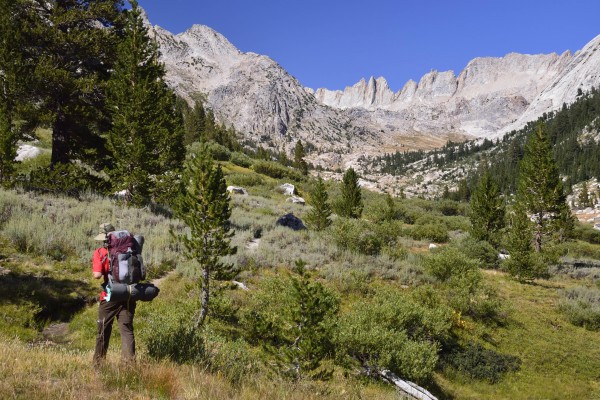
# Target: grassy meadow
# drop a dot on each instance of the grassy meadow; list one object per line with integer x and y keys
{"x": 482, "y": 334}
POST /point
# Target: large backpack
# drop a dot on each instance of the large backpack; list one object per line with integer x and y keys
{"x": 125, "y": 252}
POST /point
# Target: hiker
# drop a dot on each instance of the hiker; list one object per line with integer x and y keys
{"x": 109, "y": 310}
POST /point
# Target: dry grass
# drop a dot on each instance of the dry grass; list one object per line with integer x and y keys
{"x": 42, "y": 372}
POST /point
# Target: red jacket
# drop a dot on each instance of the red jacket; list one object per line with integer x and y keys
{"x": 101, "y": 264}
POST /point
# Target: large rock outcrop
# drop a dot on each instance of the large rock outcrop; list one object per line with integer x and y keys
{"x": 270, "y": 107}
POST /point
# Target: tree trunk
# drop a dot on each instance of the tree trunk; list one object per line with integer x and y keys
{"x": 204, "y": 297}
{"x": 60, "y": 140}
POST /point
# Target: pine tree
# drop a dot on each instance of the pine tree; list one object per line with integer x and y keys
{"x": 146, "y": 139}
{"x": 299, "y": 161}
{"x": 390, "y": 211}
{"x": 523, "y": 264}
{"x": 487, "y": 210}
{"x": 584, "y": 197}
{"x": 350, "y": 204}
{"x": 71, "y": 48}
{"x": 194, "y": 123}
{"x": 318, "y": 217}
{"x": 204, "y": 207}
{"x": 540, "y": 190}
{"x": 11, "y": 74}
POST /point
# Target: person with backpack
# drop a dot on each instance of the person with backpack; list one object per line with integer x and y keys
{"x": 123, "y": 311}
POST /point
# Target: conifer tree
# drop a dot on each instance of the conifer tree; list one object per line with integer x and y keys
{"x": 524, "y": 264}
{"x": 487, "y": 210}
{"x": 204, "y": 207}
{"x": 194, "y": 123}
{"x": 11, "y": 76}
{"x": 584, "y": 196}
{"x": 299, "y": 161}
{"x": 540, "y": 190}
{"x": 350, "y": 204}
{"x": 146, "y": 139}
{"x": 71, "y": 48}
{"x": 390, "y": 212}
{"x": 318, "y": 217}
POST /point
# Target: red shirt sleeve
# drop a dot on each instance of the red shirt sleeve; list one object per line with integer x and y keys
{"x": 100, "y": 261}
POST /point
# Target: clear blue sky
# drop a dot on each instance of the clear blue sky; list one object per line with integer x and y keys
{"x": 334, "y": 43}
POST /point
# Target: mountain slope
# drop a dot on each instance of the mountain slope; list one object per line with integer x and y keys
{"x": 271, "y": 108}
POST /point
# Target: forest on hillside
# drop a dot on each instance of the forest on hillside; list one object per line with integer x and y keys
{"x": 573, "y": 133}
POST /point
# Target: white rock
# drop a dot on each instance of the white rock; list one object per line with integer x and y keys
{"x": 240, "y": 285}
{"x": 287, "y": 188}
{"x": 237, "y": 190}
{"x": 26, "y": 151}
{"x": 296, "y": 200}
{"x": 432, "y": 246}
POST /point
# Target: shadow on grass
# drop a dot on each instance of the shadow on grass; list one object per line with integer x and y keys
{"x": 57, "y": 299}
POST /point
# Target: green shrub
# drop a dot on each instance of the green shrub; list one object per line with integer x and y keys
{"x": 219, "y": 152}
{"x": 462, "y": 283}
{"x": 234, "y": 359}
{"x": 276, "y": 170}
{"x": 582, "y": 249}
{"x": 392, "y": 331}
{"x": 434, "y": 232}
{"x": 244, "y": 180}
{"x": 293, "y": 320}
{"x": 449, "y": 262}
{"x": 65, "y": 179}
{"x": 240, "y": 159}
{"x": 169, "y": 333}
{"x": 480, "y": 363}
{"x": 356, "y": 236}
{"x": 449, "y": 207}
{"x": 581, "y": 305}
{"x": 586, "y": 233}
{"x": 481, "y": 251}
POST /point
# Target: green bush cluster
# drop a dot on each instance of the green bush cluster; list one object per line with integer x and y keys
{"x": 586, "y": 233}
{"x": 463, "y": 283}
{"x": 168, "y": 332}
{"x": 276, "y": 170}
{"x": 244, "y": 180}
{"x": 293, "y": 319}
{"x": 356, "y": 236}
{"x": 581, "y": 306}
{"x": 434, "y": 232}
{"x": 241, "y": 159}
{"x": 480, "y": 250}
{"x": 477, "y": 362}
{"x": 392, "y": 331}
{"x": 64, "y": 179}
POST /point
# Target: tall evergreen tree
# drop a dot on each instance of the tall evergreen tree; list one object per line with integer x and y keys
{"x": 71, "y": 46}
{"x": 584, "y": 198}
{"x": 487, "y": 210}
{"x": 540, "y": 190}
{"x": 11, "y": 78}
{"x": 524, "y": 263}
{"x": 194, "y": 123}
{"x": 299, "y": 155}
{"x": 318, "y": 217}
{"x": 204, "y": 207}
{"x": 146, "y": 139}
{"x": 350, "y": 204}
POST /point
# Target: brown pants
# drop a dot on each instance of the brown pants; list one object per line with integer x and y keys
{"x": 124, "y": 312}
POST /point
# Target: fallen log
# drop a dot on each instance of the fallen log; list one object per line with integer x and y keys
{"x": 409, "y": 388}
